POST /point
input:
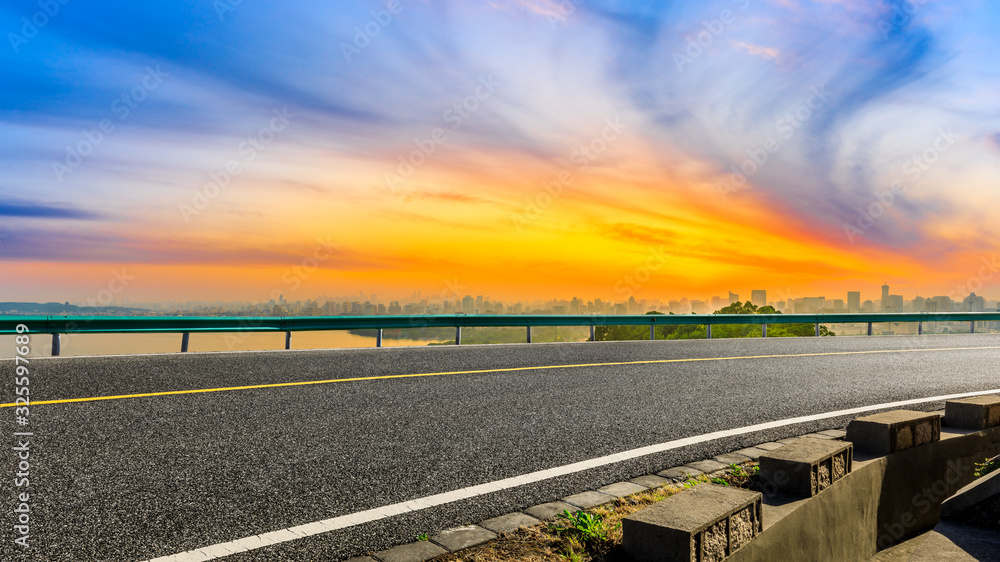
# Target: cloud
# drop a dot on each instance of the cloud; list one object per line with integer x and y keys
{"x": 994, "y": 139}
{"x": 447, "y": 196}
{"x": 757, "y": 50}
{"x": 32, "y": 210}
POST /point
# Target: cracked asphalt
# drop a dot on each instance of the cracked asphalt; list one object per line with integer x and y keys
{"x": 137, "y": 478}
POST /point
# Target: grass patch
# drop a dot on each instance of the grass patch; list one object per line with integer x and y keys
{"x": 987, "y": 466}
{"x": 592, "y": 535}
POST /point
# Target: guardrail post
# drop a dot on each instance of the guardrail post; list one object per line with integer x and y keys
{"x": 920, "y": 328}
{"x": 972, "y": 327}
{"x": 378, "y": 338}
{"x": 817, "y": 329}
{"x": 652, "y": 332}
{"x": 56, "y": 344}
{"x": 593, "y": 335}
{"x": 869, "y": 328}
{"x": 763, "y": 330}
{"x": 288, "y": 340}
{"x": 529, "y": 334}
{"x": 458, "y": 335}
{"x": 708, "y": 331}
{"x": 185, "y": 339}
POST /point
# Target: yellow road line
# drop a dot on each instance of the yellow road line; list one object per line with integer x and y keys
{"x": 504, "y": 370}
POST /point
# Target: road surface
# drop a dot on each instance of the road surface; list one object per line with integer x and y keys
{"x": 140, "y": 477}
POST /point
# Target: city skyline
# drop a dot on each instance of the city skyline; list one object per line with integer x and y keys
{"x": 417, "y": 303}
{"x": 524, "y": 148}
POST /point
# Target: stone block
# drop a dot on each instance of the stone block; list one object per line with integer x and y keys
{"x": 818, "y": 436}
{"x": 706, "y": 523}
{"x": 806, "y": 467}
{"x": 732, "y": 458}
{"x": 509, "y": 523}
{"x": 587, "y": 500}
{"x": 753, "y": 453}
{"x": 835, "y": 433}
{"x": 414, "y": 552}
{"x": 708, "y": 466}
{"x": 977, "y": 412}
{"x": 621, "y": 489}
{"x": 462, "y": 537}
{"x": 769, "y": 446}
{"x": 680, "y": 473}
{"x": 650, "y": 481}
{"x": 549, "y": 510}
{"x": 889, "y": 432}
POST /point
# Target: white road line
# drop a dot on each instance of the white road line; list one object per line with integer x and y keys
{"x": 309, "y": 529}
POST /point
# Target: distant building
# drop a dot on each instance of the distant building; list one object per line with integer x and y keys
{"x": 468, "y": 304}
{"x": 717, "y": 303}
{"x": 758, "y": 297}
{"x": 942, "y": 304}
{"x": 972, "y": 303}
{"x": 885, "y": 296}
{"x": 854, "y": 301}
{"x": 810, "y": 305}
{"x": 733, "y": 297}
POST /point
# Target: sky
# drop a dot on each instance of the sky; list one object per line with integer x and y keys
{"x": 519, "y": 149}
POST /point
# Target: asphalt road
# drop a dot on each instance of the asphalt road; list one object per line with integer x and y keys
{"x": 137, "y": 478}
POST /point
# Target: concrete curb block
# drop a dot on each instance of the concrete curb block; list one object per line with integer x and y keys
{"x": 460, "y": 538}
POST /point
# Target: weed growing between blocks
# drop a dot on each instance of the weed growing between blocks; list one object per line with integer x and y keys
{"x": 590, "y": 535}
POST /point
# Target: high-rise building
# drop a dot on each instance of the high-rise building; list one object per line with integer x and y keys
{"x": 758, "y": 297}
{"x": 853, "y": 301}
{"x": 468, "y": 304}
{"x": 942, "y": 304}
{"x": 733, "y": 297}
{"x": 716, "y": 303}
{"x": 885, "y": 296}
{"x": 972, "y": 303}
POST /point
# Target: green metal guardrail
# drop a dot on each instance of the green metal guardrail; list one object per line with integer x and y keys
{"x": 57, "y": 325}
